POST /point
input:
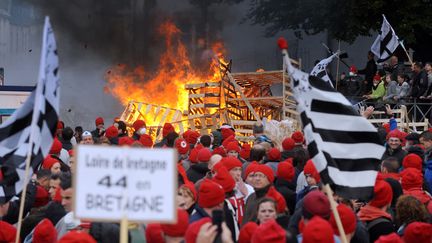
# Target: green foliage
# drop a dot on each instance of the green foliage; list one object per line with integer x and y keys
{"x": 343, "y": 19}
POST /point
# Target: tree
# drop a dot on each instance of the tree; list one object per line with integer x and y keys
{"x": 343, "y": 20}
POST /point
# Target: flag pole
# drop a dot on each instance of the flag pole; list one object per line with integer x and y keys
{"x": 406, "y": 52}
{"x": 333, "y": 206}
{"x": 337, "y": 66}
{"x": 31, "y": 137}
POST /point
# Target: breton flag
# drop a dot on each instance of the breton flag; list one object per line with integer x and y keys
{"x": 320, "y": 70}
{"x": 386, "y": 42}
{"x": 343, "y": 145}
{"x": 31, "y": 128}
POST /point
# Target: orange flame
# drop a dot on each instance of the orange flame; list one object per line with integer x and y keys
{"x": 166, "y": 86}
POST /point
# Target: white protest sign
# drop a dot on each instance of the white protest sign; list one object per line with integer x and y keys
{"x": 113, "y": 182}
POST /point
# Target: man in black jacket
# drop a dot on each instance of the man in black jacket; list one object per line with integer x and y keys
{"x": 419, "y": 80}
{"x": 369, "y": 71}
{"x": 9, "y": 210}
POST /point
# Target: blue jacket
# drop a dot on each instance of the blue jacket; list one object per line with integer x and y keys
{"x": 428, "y": 173}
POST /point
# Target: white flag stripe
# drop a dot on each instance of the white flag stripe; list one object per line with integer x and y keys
{"x": 346, "y": 147}
{"x": 386, "y": 42}
{"x": 322, "y": 67}
{"x": 339, "y": 122}
{"x": 353, "y": 178}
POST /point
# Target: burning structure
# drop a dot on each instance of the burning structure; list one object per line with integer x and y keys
{"x": 200, "y": 99}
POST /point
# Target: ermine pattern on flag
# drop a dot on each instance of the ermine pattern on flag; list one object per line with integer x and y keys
{"x": 37, "y": 116}
{"x": 343, "y": 145}
{"x": 386, "y": 42}
{"x": 320, "y": 70}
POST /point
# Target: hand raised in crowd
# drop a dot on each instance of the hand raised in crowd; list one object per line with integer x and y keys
{"x": 242, "y": 187}
{"x": 208, "y": 233}
{"x": 389, "y": 110}
{"x": 368, "y": 112}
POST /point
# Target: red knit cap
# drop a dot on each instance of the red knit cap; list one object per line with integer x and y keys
{"x": 7, "y": 232}
{"x": 233, "y": 146}
{"x": 245, "y": 151}
{"x": 227, "y": 132}
{"x": 298, "y": 137}
{"x": 411, "y": 178}
{"x": 111, "y": 132}
{"x": 228, "y": 140}
{"x": 347, "y": 217}
{"x": 318, "y": 230}
{"x": 71, "y": 153}
{"x": 315, "y": 203}
{"x": 56, "y": 147}
{"x": 395, "y": 134}
{"x": 412, "y": 161}
{"x": 279, "y": 199}
{"x": 386, "y": 126}
{"x": 273, "y": 154}
{"x": 99, "y": 121}
{"x": 178, "y": 229}
{"x": 181, "y": 145}
{"x": 390, "y": 238}
{"x": 49, "y": 162}
{"x": 138, "y": 124}
{"x": 42, "y": 197}
{"x": 288, "y": 144}
{"x": 154, "y": 234}
{"x": 418, "y": 232}
{"x": 269, "y": 231}
{"x": 57, "y": 195}
{"x": 285, "y": 170}
{"x": 219, "y": 150}
{"x": 204, "y": 155}
{"x": 250, "y": 169}
{"x": 377, "y": 77}
{"x": 146, "y": 140}
{"x": 230, "y": 163}
{"x": 383, "y": 194}
{"x": 192, "y": 137}
{"x": 194, "y": 228}
{"x": 193, "y": 155}
{"x": 266, "y": 170}
{"x": 77, "y": 236}
{"x": 310, "y": 169}
{"x": 167, "y": 128}
{"x": 45, "y": 232}
{"x": 210, "y": 194}
{"x": 246, "y": 232}
{"x": 122, "y": 141}
{"x": 224, "y": 179}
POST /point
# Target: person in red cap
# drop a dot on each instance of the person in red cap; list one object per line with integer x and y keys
{"x": 318, "y": 230}
{"x": 312, "y": 177}
{"x": 76, "y": 236}
{"x": 394, "y": 146}
{"x": 412, "y": 161}
{"x": 374, "y": 215}
{"x": 51, "y": 164}
{"x": 175, "y": 232}
{"x": 378, "y": 89}
{"x": 263, "y": 185}
{"x": 288, "y": 145}
{"x": 390, "y": 168}
{"x": 269, "y": 232}
{"x": 7, "y": 232}
{"x": 45, "y": 232}
{"x": 182, "y": 147}
{"x": 418, "y": 232}
{"x": 245, "y": 152}
{"x": 139, "y": 127}
{"x": 232, "y": 149}
{"x": 390, "y": 238}
{"x": 211, "y": 196}
{"x": 100, "y": 128}
{"x": 273, "y": 159}
{"x": 412, "y": 184}
{"x": 284, "y": 183}
{"x": 187, "y": 197}
{"x": 199, "y": 170}
{"x": 349, "y": 221}
{"x": 146, "y": 140}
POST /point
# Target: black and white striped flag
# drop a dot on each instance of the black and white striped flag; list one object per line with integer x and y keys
{"x": 320, "y": 70}
{"x": 386, "y": 42}
{"x": 31, "y": 129}
{"x": 343, "y": 145}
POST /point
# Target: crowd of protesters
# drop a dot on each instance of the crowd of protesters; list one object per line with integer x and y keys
{"x": 393, "y": 83}
{"x": 261, "y": 192}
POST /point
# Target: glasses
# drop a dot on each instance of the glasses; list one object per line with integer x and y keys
{"x": 261, "y": 176}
